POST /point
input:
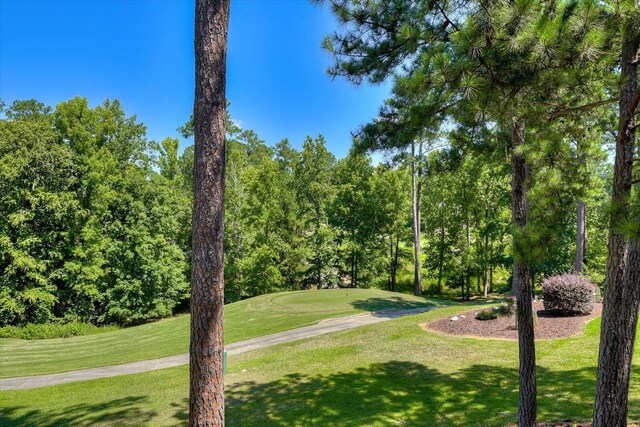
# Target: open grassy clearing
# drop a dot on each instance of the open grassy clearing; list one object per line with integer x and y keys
{"x": 384, "y": 374}
{"x": 246, "y": 319}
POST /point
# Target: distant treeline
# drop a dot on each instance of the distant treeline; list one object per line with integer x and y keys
{"x": 95, "y": 218}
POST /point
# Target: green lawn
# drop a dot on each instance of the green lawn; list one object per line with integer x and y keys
{"x": 391, "y": 373}
{"x": 245, "y": 319}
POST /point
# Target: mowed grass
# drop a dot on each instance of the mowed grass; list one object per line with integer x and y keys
{"x": 391, "y": 373}
{"x": 246, "y": 319}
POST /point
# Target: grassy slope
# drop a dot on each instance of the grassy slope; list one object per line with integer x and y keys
{"x": 392, "y": 373}
{"x": 245, "y": 319}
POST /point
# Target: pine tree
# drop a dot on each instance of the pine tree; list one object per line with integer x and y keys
{"x": 622, "y": 288}
{"x": 492, "y": 59}
{"x": 206, "y": 396}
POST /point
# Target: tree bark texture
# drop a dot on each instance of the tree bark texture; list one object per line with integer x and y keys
{"x": 415, "y": 202}
{"x": 522, "y": 282}
{"x": 206, "y": 394}
{"x": 622, "y": 287}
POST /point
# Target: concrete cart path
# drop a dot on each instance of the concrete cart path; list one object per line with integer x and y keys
{"x": 323, "y": 327}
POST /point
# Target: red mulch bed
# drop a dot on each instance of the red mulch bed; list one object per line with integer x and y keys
{"x": 548, "y": 325}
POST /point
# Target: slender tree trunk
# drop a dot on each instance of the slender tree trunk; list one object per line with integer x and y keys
{"x": 353, "y": 268}
{"x": 491, "y": 267}
{"x": 522, "y": 282}
{"x": 389, "y": 284}
{"x": 415, "y": 202}
{"x": 206, "y": 393}
{"x": 580, "y": 236}
{"x": 485, "y": 278}
{"x": 581, "y": 220}
{"x": 468, "y": 286}
{"x": 395, "y": 266}
{"x": 622, "y": 288}
{"x": 353, "y": 259}
{"x": 441, "y": 255}
{"x": 355, "y": 274}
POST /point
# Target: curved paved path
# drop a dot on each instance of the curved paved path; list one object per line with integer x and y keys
{"x": 323, "y": 327}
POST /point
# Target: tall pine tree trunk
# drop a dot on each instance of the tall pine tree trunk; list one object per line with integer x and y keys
{"x": 622, "y": 289}
{"x": 206, "y": 393}
{"x": 468, "y": 250}
{"x": 581, "y": 221}
{"x": 416, "y": 197}
{"x": 522, "y": 281}
{"x": 580, "y": 236}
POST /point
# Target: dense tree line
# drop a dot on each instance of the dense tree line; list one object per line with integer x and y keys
{"x": 96, "y": 222}
{"x": 89, "y": 230}
{"x": 542, "y": 77}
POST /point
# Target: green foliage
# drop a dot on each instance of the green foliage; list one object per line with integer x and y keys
{"x": 489, "y": 314}
{"x": 53, "y": 330}
{"x": 506, "y": 309}
{"x": 97, "y": 220}
{"x": 89, "y": 229}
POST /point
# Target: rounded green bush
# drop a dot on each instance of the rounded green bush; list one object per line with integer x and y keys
{"x": 488, "y": 314}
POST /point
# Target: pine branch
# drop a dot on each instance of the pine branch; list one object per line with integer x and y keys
{"x": 446, "y": 18}
{"x": 585, "y": 107}
{"x": 631, "y": 112}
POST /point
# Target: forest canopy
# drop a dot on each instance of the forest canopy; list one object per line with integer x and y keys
{"x": 96, "y": 222}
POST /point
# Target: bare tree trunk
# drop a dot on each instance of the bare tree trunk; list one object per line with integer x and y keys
{"x": 395, "y": 266}
{"x": 390, "y": 284}
{"x": 581, "y": 220}
{"x": 522, "y": 282}
{"x": 441, "y": 255}
{"x": 468, "y": 286}
{"x": 491, "y": 266}
{"x": 580, "y": 236}
{"x": 621, "y": 293}
{"x": 485, "y": 277}
{"x": 206, "y": 352}
{"x": 353, "y": 267}
{"x": 355, "y": 274}
{"x": 415, "y": 201}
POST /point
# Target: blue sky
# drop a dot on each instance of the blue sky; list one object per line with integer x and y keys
{"x": 141, "y": 52}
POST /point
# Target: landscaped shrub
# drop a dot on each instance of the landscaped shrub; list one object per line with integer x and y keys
{"x": 488, "y": 314}
{"x": 568, "y": 294}
{"x": 52, "y": 330}
{"x": 506, "y": 309}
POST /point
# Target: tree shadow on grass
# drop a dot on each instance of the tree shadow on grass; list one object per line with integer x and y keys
{"x": 128, "y": 411}
{"x": 398, "y": 303}
{"x": 391, "y": 303}
{"x": 407, "y": 393}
